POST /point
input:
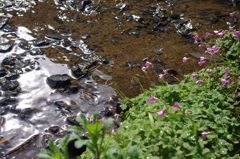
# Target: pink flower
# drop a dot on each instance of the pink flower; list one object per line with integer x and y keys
{"x": 202, "y": 45}
{"x": 145, "y": 59}
{"x": 216, "y": 31}
{"x": 148, "y": 64}
{"x": 224, "y": 81}
{"x": 237, "y": 32}
{"x": 194, "y": 75}
{"x": 205, "y": 134}
{"x": 234, "y": 36}
{"x": 231, "y": 28}
{"x": 209, "y": 71}
{"x": 185, "y": 59}
{"x": 220, "y": 34}
{"x": 202, "y": 59}
{"x": 151, "y": 100}
{"x": 161, "y": 76}
{"x": 227, "y": 73}
{"x": 199, "y": 82}
{"x": 116, "y": 115}
{"x": 208, "y": 34}
{"x": 165, "y": 72}
{"x": 100, "y": 120}
{"x": 232, "y": 14}
{"x": 176, "y": 106}
{"x": 161, "y": 113}
{"x": 144, "y": 69}
{"x": 200, "y": 63}
{"x": 107, "y": 82}
{"x": 196, "y": 38}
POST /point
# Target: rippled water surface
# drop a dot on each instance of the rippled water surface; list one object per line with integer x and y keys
{"x": 89, "y": 42}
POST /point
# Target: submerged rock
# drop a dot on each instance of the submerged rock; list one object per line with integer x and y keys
{"x": 9, "y": 84}
{"x": 57, "y": 81}
{"x": 5, "y": 47}
{"x": 41, "y": 43}
{"x": 81, "y": 6}
{"x": 3, "y": 22}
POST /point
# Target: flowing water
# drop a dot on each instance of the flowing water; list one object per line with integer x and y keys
{"x": 108, "y": 40}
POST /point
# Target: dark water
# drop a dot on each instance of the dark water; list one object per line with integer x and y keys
{"x": 54, "y": 36}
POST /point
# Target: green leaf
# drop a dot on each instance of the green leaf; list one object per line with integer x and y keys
{"x": 151, "y": 120}
{"x": 45, "y": 154}
{"x": 80, "y": 143}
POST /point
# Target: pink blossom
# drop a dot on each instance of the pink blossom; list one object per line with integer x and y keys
{"x": 176, "y": 106}
{"x": 165, "y": 72}
{"x": 234, "y": 36}
{"x": 145, "y": 59}
{"x": 185, "y": 59}
{"x": 151, "y": 100}
{"x": 205, "y": 134}
{"x": 200, "y": 63}
{"x": 144, "y": 69}
{"x": 202, "y": 59}
{"x": 232, "y": 14}
{"x": 209, "y": 71}
{"x": 220, "y": 34}
{"x": 237, "y": 32}
{"x": 199, "y": 82}
{"x": 107, "y": 82}
{"x": 161, "y": 76}
{"x": 227, "y": 73}
{"x": 225, "y": 81}
{"x": 202, "y": 45}
{"x": 100, "y": 120}
{"x": 231, "y": 28}
{"x": 161, "y": 113}
{"x": 148, "y": 64}
{"x": 208, "y": 34}
{"x": 194, "y": 75}
{"x": 196, "y": 38}
{"x": 116, "y": 115}
{"x": 216, "y": 31}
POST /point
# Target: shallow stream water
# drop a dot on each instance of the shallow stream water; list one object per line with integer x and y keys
{"x": 109, "y": 38}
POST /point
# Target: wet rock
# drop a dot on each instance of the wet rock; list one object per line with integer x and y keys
{"x": 7, "y": 101}
{"x": 159, "y": 26}
{"x": 9, "y": 84}
{"x": 5, "y": 47}
{"x": 57, "y": 81}
{"x": 159, "y": 52}
{"x": 157, "y": 69}
{"x": 72, "y": 88}
{"x": 86, "y": 36}
{"x": 26, "y": 113}
{"x": 172, "y": 72}
{"x": 36, "y": 51}
{"x": 24, "y": 46}
{"x": 54, "y": 37}
{"x": 81, "y": 6}
{"x": 3, "y": 22}
{"x": 41, "y": 43}
{"x": 107, "y": 112}
{"x": 72, "y": 121}
{"x": 11, "y": 76}
{"x": 65, "y": 44}
{"x": 59, "y": 2}
{"x": 78, "y": 72}
{"x": 137, "y": 18}
{"x": 9, "y": 29}
{"x": 4, "y": 110}
{"x": 204, "y": 13}
{"x": 54, "y": 129}
{"x": 10, "y": 60}
{"x": 158, "y": 61}
{"x": 2, "y": 71}
{"x": 134, "y": 33}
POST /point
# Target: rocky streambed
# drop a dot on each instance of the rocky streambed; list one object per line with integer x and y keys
{"x": 56, "y": 57}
